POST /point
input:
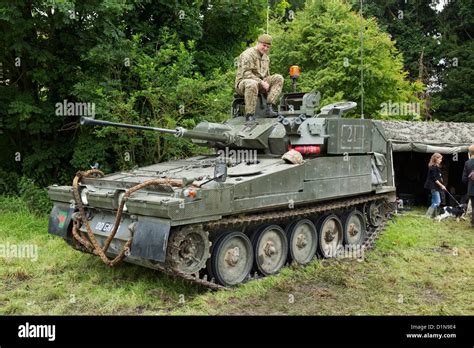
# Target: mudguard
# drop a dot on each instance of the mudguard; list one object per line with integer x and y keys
{"x": 150, "y": 240}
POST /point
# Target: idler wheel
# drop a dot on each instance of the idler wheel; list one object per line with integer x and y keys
{"x": 375, "y": 212}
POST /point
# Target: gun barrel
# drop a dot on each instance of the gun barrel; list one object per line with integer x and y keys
{"x": 192, "y": 134}
{"x": 88, "y": 120}
{"x": 179, "y": 132}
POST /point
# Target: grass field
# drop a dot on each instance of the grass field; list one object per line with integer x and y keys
{"x": 418, "y": 267}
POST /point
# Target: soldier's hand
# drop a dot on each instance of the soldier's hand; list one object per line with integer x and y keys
{"x": 265, "y": 85}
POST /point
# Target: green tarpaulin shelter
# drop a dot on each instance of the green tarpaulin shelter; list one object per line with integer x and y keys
{"x": 429, "y": 137}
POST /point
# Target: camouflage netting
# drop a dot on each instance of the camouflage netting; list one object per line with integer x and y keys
{"x": 429, "y": 137}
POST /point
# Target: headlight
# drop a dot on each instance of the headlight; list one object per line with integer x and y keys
{"x": 84, "y": 192}
{"x": 120, "y": 197}
{"x": 190, "y": 193}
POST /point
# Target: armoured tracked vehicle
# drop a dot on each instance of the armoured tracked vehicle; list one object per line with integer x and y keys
{"x": 219, "y": 219}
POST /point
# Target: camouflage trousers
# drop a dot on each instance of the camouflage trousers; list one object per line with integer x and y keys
{"x": 250, "y": 89}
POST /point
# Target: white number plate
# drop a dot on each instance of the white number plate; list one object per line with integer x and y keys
{"x": 104, "y": 226}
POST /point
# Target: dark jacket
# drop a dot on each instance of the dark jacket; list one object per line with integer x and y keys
{"x": 468, "y": 167}
{"x": 434, "y": 173}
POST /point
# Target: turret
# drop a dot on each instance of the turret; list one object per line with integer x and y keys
{"x": 297, "y": 126}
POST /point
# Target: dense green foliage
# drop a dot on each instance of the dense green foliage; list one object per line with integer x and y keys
{"x": 35, "y": 197}
{"x": 412, "y": 26}
{"x": 165, "y": 63}
{"x": 324, "y": 40}
{"x": 455, "y": 101}
{"x": 146, "y": 62}
{"x": 436, "y": 42}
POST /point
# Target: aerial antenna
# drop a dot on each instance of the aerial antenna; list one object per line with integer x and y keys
{"x": 268, "y": 14}
{"x": 361, "y": 62}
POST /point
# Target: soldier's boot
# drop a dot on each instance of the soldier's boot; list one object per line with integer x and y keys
{"x": 430, "y": 212}
{"x": 270, "y": 111}
{"x": 250, "y": 118}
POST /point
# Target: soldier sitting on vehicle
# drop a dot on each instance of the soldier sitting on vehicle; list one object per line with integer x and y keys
{"x": 253, "y": 76}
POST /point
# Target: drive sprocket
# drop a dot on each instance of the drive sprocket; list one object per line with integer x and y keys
{"x": 188, "y": 250}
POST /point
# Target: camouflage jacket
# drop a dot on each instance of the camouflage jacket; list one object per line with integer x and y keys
{"x": 252, "y": 65}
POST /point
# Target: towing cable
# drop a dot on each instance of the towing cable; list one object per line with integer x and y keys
{"x": 92, "y": 245}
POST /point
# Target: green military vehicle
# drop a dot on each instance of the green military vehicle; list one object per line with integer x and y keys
{"x": 277, "y": 191}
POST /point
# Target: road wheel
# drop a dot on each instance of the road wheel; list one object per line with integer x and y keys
{"x": 354, "y": 227}
{"x": 270, "y": 247}
{"x": 302, "y": 241}
{"x": 231, "y": 259}
{"x": 330, "y": 235}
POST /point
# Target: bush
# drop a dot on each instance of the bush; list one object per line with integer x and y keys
{"x": 164, "y": 89}
{"x": 12, "y": 204}
{"x": 35, "y": 197}
{"x": 8, "y": 183}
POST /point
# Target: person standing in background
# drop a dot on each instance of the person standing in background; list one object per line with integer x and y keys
{"x": 468, "y": 178}
{"x": 434, "y": 183}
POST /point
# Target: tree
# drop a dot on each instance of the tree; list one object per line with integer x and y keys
{"x": 324, "y": 40}
{"x": 413, "y": 27}
{"x": 135, "y": 61}
{"x": 42, "y": 43}
{"x": 228, "y": 27}
{"x": 454, "y": 101}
